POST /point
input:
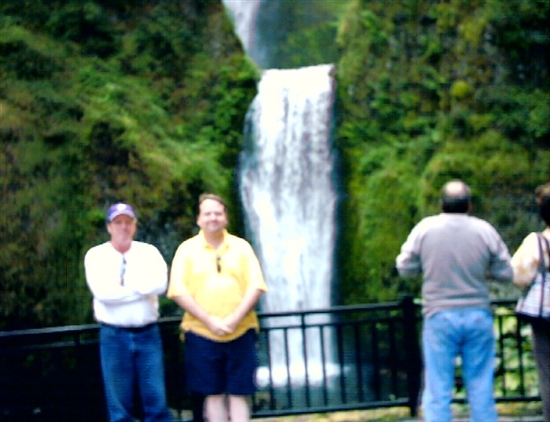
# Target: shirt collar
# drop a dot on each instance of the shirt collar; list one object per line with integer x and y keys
{"x": 224, "y": 245}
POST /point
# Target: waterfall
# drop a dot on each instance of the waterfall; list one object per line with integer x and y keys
{"x": 244, "y": 14}
{"x": 286, "y": 185}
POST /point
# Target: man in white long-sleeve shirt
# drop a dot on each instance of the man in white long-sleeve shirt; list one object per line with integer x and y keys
{"x": 125, "y": 278}
{"x": 456, "y": 254}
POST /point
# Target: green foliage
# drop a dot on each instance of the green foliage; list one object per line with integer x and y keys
{"x": 427, "y": 92}
{"x": 521, "y": 29}
{"x": 144, "y": 102}
{"x": 101, "y": 102}
{"x": 461, "y": 89}
{"x": 520, "y": 365}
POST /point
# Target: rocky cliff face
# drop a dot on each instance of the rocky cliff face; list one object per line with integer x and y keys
{"x": 105, "y": 101}
{"x": 145, "y": 101}
{"x": 430, "y": 91}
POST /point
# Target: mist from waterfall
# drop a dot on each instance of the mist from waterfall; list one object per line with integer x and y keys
{"x": 286, "y": 185}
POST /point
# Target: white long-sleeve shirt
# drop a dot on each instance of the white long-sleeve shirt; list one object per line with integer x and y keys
{"x": 133, "y": 302}
{"x": 456, "y": 254}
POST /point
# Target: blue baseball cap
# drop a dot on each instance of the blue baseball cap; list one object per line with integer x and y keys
{"x": 120, "y": 209}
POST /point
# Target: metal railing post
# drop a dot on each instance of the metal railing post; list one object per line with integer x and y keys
{"x": 414, "y": 363}
{"x": 377, "y": 353}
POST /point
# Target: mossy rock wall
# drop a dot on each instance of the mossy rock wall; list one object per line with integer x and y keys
{"x": 104, "y": 101}
{"x": 430, "y": 91}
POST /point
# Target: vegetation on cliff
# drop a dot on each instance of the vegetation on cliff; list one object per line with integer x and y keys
{"x": 144, "y": 102}
{"x": 429, "y": 91}
{"x": 104, "y": 101}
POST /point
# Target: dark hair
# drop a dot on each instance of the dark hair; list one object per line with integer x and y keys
{"x": 455, "y": 205}
{"x": 456, "y": 197}
{"x": 543, "y": 200}
{"x": 203, "y": 197}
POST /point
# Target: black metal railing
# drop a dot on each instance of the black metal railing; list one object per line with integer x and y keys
{"x": 342, "y": 358}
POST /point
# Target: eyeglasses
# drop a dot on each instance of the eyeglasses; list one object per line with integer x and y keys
{"x": 218, "y": 263}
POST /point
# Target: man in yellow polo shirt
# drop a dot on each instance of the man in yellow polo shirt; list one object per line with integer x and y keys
{"x": 217, "y": 280}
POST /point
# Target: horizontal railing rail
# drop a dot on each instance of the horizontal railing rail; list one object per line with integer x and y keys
{"x": 316, "y": 361}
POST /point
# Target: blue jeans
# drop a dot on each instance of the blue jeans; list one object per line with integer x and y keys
{"x": 133, "y": 358}
{"x": 468, "y": 333}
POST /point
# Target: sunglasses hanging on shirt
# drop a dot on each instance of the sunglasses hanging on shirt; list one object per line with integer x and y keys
{"x": 122, "y": 270}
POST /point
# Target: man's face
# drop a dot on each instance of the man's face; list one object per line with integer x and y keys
{"x": 212, "y": 216}
{"x": 122, "y": 229}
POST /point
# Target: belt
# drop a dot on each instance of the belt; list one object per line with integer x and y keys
{"x": 130, "y": 329}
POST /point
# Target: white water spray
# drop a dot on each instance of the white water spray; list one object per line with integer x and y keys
{"x": 286, "y": 184}
{"x": 244, "y": 14}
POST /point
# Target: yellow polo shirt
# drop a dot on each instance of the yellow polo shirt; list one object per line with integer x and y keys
{"x": 195, "y": 272}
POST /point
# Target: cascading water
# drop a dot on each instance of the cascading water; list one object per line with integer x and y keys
{"x": 286, "y": 183}
{"x": 244, "y": 14}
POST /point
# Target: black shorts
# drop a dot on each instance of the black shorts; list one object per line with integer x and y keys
{"x": 213, "y": 367}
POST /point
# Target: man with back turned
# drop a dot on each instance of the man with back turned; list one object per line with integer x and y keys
{"x": 456, "y": 254}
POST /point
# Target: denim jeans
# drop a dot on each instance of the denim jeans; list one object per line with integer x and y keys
{"x": 132, "y": 360}
{"x": 468, "y": 333}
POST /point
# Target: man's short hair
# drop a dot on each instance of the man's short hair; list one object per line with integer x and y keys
{"x": 203, "y": 197}
{"x": 456, "y": 197}
{"x": 542, "y": 194}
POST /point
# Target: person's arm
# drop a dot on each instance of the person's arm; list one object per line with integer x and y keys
{"x": 250, "y": 299}
{"x": 408, "y": 263}
{"x": 104, "y": 283}
{"x": 213, "y": 323}
{"x": 525, "y": 261}
{"x": 500, "y": 267}
{"x": 255, "y": 288}
{"x": 148, "y": 274}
